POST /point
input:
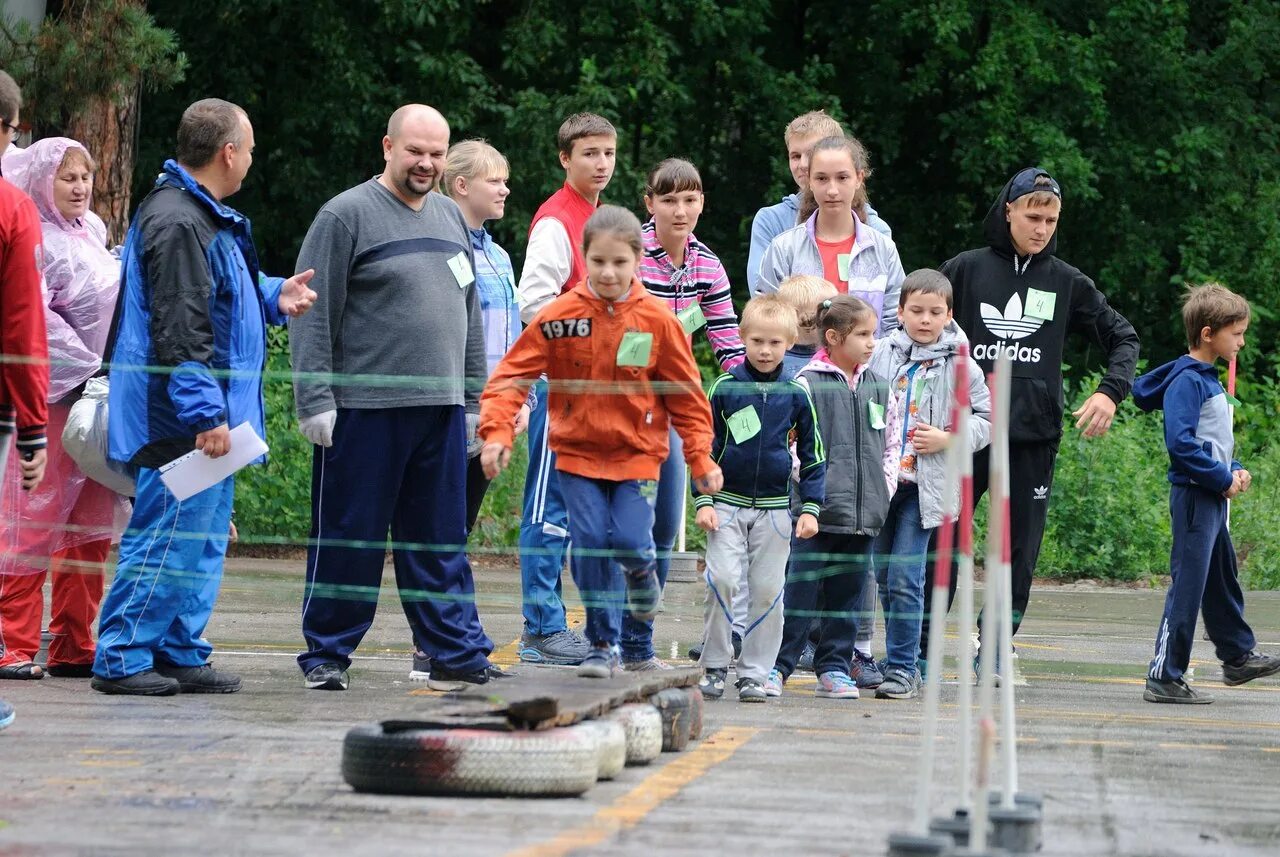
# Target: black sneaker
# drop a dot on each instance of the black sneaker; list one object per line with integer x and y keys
{"x": 327, "y": 677}
{"x": 1254, "y": 665}
{"x": 750, "y": 690}
{"x": 201, "y": 679}
{"x": 448, "y": 680}
{"x": 695, "y": 652}
{"x": 1175, "y": 692}
{"x": 712, "y": 682}
{"x": 644, "y": 593}
{"x": 145, "y": 683}
{"x": 421, "y": 670}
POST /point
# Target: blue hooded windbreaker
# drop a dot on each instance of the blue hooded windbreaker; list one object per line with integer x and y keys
{"x": 189, "y": 342}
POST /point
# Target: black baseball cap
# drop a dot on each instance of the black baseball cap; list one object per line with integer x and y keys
{"x": 1025, "y": 182}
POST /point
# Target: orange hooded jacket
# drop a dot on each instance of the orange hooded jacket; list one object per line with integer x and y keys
{"x": 608, "y": 421}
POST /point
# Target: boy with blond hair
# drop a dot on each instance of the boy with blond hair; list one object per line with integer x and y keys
{"x": 1203, "y": 477}
{"x": 755, "y": 409}
{"x": 803, "y": 293}
{"x": 771, "y": 221}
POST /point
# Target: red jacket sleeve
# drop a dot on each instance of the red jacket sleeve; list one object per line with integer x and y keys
{"x": 24, "y": 345}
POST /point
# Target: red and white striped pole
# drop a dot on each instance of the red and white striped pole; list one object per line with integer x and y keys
{"x": 964, "y": 583}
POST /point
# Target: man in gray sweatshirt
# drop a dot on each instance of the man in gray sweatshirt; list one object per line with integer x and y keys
{"x": 388, "y": 369}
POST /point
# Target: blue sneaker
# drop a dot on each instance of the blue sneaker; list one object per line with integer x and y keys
{"x": 600, "y": 662}
{"x": 6, "y": 714}
{"x": 865, "y": 671}
{"x": 836, "y": 685}
{"x": 774, "y": 683}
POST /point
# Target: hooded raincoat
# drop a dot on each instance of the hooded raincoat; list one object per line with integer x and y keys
{"x": 81, "y": 281}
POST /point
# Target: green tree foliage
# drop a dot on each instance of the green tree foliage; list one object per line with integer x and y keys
{"x": 1159, "y": 118}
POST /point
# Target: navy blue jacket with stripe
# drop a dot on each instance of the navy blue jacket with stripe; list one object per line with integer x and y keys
{"x": 758, "y": 468}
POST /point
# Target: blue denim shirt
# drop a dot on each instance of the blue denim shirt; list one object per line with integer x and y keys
{"x": 496, "y": 283}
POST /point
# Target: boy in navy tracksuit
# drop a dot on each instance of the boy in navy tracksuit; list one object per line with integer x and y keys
{"x": 1203, "y": 476}
{"x": 754, "y": 412}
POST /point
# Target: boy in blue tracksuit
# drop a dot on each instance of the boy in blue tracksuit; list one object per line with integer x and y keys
{"x": 754, "y": 413}
{"x": 187, "y": 350}
{"x": 1203, "y": 476}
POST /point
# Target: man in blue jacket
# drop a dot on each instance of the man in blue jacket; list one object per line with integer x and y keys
{"x": 189, "y": 344}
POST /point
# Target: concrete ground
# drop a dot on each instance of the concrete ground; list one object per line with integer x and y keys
{"x": 258, "y": 772}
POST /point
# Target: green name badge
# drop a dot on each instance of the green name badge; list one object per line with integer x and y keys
{"x": 744, "y": 425}
{"x": 1040, "y": 304}
{"x": 691, "y": 317}
{"x": 460, "y": 265}
{"x": 875, "y": 411}
{"x": 842, "y": 265}
{"x": 635, "y": 348}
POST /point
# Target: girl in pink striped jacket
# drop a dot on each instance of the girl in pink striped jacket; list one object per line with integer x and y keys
{"x": 681, "y": 270}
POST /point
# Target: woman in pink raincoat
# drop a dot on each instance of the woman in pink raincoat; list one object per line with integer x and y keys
{"x": 67, "y": 524}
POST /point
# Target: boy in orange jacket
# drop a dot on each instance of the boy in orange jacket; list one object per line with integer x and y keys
{"x": 618, "y": 367}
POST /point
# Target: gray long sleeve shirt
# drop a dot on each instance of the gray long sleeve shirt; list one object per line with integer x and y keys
{"x": 397, "y": 321}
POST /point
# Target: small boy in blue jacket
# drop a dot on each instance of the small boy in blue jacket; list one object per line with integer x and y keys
{"x": 1203, "y": 476}
{"x": 756, "y": 415}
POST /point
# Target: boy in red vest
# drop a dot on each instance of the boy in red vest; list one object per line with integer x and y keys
{"x": 553, "y": 264}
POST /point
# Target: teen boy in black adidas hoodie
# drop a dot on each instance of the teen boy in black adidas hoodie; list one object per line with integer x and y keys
{"x": 1016, "y": 297}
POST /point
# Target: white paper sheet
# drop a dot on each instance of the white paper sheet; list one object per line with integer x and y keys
{"x": 192, "y": 473}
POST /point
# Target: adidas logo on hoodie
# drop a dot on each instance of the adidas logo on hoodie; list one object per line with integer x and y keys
{"x": 1010, "y": 324}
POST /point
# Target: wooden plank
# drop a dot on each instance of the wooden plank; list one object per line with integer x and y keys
{"x": 541, "y": 697}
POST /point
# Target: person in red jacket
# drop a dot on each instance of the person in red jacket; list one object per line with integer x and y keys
{"x": 619, "y": 371}
{"x": 24, "y": 347}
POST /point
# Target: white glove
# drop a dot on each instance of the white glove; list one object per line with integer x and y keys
{"x": 319, "y": 428}
{"x": 474, "y": 443}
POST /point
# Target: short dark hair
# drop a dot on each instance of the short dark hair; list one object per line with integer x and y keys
{"x": 206, "y": 127}
{"x": 10, "y": 97}
{"x": 581, "y": 125}
{"x": 925, "y": 281}
{"x": 1212, "y": 306}
{"x": 674, "y": 175}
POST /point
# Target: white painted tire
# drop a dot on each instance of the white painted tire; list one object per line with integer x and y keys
{"x": 556, "y": 762}
{"x": 642, "y": 725}
{"x": 611, "y": 746}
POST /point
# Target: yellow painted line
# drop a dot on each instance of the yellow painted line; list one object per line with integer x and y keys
{"x": 111, "y": 763}
{"x": 1181, "y": 745}
{"x": 632, "y": 808}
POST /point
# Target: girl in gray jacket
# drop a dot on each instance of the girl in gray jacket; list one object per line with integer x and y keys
{"x": 918, "y": 360}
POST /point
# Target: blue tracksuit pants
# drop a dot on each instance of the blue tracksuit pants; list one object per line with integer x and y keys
{"x": 544, "y": 529}
{"x": 166, "y": 579}
{"x": 611, "y": 524}
{"x": 637, "y": 636}
{"x": 1203, "y": 566}
{"x": 402, "y": 469}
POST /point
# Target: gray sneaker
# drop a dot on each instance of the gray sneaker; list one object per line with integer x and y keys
{"x": 899, "y": 684}
{"x": 563, "y": 648}
{"x": 653, "y": 663}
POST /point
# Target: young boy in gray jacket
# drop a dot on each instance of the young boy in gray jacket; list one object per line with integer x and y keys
{"x": 918, "y": 360}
